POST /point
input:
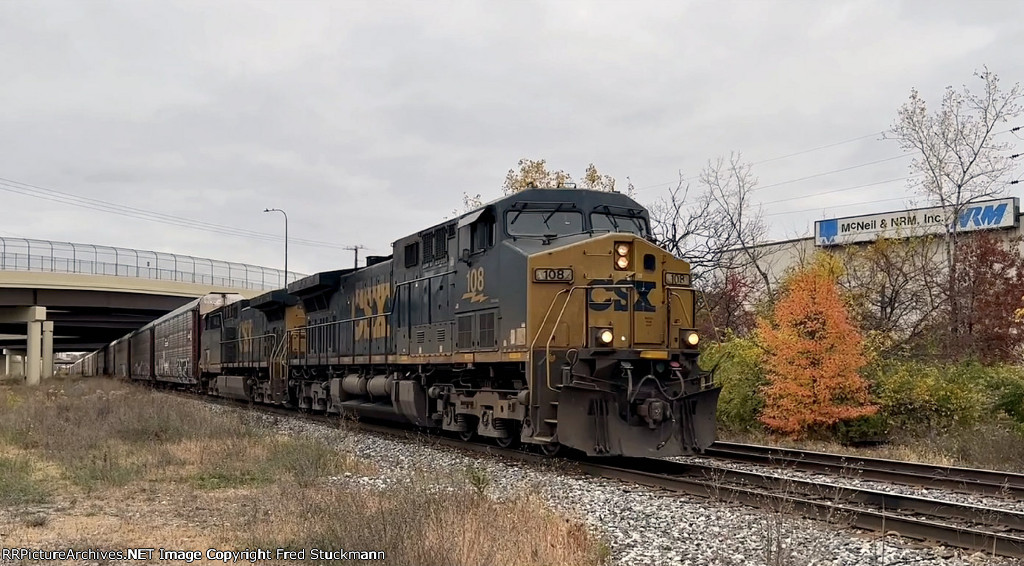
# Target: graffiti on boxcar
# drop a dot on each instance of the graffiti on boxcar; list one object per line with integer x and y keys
{"x": 369, "y": 301}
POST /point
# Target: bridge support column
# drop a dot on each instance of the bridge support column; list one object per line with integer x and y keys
{"x": 32, "y": 355}
{"x": 15, "y": 363}
{"x": 5, "y": 363}
{"x": 47, "y": 369}
{"x": 33, "y": 317}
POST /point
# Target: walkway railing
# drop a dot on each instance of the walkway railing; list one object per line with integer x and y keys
{"x": 22, "y": 254}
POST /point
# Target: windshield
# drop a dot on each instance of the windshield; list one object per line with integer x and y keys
{"x": 543, "y": 222}
{"x": 618, "y": 223}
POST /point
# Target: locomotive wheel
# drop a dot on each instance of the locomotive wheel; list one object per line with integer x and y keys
{"x": 515, "y": 430}
{"x": 505, "y": 442}
{"x": 467, "y": 435}
{"x": 550, "y": 450}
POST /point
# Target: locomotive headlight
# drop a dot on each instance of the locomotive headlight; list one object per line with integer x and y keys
{"x": 692, "y": 338}
{"x": 605, "y": 336}
{"x": 622, "y": 252}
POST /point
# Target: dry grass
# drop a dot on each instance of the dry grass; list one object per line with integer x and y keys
{"x": 423, "y": 526}
{"x": 98, "y": 464}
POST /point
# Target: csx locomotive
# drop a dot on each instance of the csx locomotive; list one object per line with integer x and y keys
{"x": 546, "y": 317}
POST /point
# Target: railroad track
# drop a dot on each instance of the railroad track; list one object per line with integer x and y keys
{"x": 969, "y": 480}
{"x": 995, "y": 531}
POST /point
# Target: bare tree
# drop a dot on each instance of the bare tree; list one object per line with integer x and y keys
{"x": 678, "y": 225}
{"x": 733, "y": 227}
{"x": 721, "y": 234}
{"x": 895, "y": 290}
{"x": 957, "y": 155}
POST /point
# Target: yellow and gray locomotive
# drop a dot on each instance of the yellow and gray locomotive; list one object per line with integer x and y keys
{"x": 546, "y": 317}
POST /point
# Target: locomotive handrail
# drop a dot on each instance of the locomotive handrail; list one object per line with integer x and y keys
{"x": 554, "y": 326}
{"x": 671, "y": 289}
{"x": 249, "y": 351}
{"x": 391, "y": 311}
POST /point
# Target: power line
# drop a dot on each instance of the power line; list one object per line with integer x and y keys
{"x": 52, "y": 195}
{"x": 837, "y": 190}
{"x": 836, "y": 206}
{"x": 832, "y": 172}
{"x": 826, "y": 146}
{"x": 857, "y": 203}
{"x": 794, "y": 154}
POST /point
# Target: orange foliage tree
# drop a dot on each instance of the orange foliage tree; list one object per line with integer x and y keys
{"x": 812, "y": 356}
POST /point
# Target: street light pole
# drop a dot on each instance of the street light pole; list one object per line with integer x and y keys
{"x": 285, "y": 241}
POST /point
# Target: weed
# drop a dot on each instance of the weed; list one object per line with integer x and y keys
{"x": 478, "y": 478}
{"x": 17, "y": 485}
{"x": 35, "y": 520}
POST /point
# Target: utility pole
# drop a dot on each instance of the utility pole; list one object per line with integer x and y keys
{"x": 356, "y": 250}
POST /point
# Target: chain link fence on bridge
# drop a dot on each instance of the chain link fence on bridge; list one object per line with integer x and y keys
{"x": 23, "y": 254}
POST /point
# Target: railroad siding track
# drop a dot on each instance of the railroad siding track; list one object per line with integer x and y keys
{"x": 996, "y": 541}
{"x": 968, "y": 480}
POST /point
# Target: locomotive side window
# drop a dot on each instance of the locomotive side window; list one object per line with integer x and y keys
{"x": 543, "y": 222}
{"x": 482, "y": 235}
{"x": 412, "y": 254}
{"x": 213, "y": 322}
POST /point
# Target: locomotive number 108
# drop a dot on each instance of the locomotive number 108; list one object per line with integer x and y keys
{"x": 552, "y": 275}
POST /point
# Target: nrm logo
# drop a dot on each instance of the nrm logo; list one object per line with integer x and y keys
{"x": 979, "y": 216}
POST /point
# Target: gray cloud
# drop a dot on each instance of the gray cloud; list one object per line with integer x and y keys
{"x": 367, "y": 121}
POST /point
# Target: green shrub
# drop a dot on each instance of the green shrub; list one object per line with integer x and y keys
{"x": 920, "y": 398}
{"x": 737, "y": 365}
{"x": 1006, "y": 384}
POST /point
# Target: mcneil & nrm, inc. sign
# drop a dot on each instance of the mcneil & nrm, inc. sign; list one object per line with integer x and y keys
{"x": 982, "y": 215}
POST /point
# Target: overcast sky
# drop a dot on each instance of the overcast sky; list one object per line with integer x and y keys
{"x": 367, "y": 121}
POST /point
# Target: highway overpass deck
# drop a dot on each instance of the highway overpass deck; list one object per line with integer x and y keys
{"x": 93, "y": 294}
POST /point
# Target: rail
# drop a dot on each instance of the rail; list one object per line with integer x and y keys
{"x": 25, "y": 254}
{"x": 932, "y": 476}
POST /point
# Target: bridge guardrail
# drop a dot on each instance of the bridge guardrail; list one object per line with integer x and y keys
{"x": 25, "y": 254}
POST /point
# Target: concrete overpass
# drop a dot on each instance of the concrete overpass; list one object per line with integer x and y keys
{"x": 62, "y": 296}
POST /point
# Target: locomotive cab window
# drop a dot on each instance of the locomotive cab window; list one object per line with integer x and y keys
{"x": 612, "y": 222}
{"x": 543, "y": 222}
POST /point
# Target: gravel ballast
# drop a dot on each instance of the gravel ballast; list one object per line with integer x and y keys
{"x": 640, "y": 526}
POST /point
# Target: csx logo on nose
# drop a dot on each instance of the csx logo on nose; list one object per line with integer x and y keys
{"x": 600, "y": 299}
